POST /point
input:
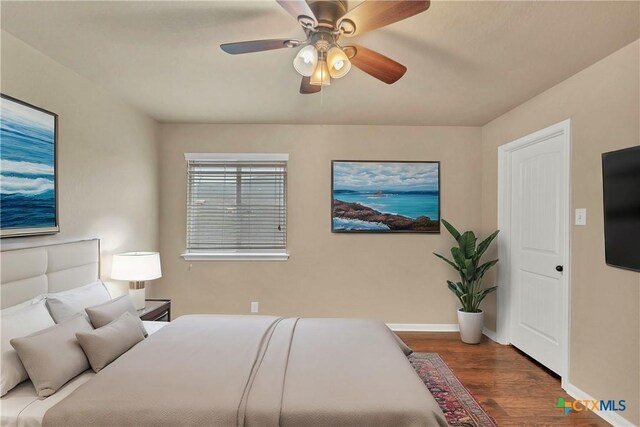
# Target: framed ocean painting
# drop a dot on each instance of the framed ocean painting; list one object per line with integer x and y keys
{"x": 28, "y": 176}
{"x": 385, "y": 197}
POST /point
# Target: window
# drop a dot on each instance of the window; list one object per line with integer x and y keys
{"x": 236, "y": 206}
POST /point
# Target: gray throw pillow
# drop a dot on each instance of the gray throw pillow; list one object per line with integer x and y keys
{"x": 104, "y": 345}
{"x": 52, "y": 356}
{"x": 103, "y": 314}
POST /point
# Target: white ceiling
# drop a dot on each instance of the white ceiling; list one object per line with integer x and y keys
{"x": 468, "y": 62}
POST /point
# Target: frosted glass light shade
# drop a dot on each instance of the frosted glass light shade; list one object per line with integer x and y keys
{"x": 306, "y": 60}
{"x": 320, "y": 76}
{"x": 338, "y": 62}
{"x": 136, "y": 266}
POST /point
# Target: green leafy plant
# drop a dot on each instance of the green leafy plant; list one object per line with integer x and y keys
{"x": 466, "y": 261}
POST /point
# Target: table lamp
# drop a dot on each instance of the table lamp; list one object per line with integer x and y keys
{"x": 136, "y": 267}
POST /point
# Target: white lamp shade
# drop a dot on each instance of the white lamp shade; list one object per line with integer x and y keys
{"x": 136, "y": 266}
{"x": 320, "y": 76}
{"x": 338, "y": 62}
{"x": 306, "y": 60}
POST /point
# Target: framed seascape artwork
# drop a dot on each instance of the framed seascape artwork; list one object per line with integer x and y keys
{"x": 28, "y": 176}
{"x": 385, "y": 197}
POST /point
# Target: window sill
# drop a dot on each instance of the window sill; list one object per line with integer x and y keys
{"x": 235, "y": 256}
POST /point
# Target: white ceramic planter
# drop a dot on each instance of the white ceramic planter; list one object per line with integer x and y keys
{"x": 471, "y": 326}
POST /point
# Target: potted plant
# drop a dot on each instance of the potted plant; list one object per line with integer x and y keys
{"x": 469, "y": 290}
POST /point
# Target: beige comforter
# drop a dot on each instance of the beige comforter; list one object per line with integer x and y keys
{"x": 209, "y": 370}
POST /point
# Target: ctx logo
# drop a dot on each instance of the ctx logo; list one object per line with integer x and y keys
{"x": 590, "y": 405}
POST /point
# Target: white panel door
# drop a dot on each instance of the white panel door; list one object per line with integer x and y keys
{"x": 538, "y": 217}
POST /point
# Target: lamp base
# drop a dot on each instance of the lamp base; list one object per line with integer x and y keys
{"x": 138, "y": 298}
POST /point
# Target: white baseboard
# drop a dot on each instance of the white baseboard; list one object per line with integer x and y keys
{"x": 424, "y": 327}
{"x": 490, "y": 334}
{"x": 434, "y": 327}
{"x": 613, "y": 418}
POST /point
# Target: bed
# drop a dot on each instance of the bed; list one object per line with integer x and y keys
{"x": 221, "y": 370}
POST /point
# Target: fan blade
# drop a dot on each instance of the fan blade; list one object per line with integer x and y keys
{"x": 258, "y": 45}
{"x": 372, "y": 14}
{"x": 298, "y": 8}
{"x": 306, "y": 87}
{"x": 376, "y": 64}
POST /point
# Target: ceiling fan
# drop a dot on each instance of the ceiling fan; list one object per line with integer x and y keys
{"x": 321, "y": 57}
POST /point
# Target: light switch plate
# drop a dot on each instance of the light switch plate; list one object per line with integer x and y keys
{"x": 581, "y": 216}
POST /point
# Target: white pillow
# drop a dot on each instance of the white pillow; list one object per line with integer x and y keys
{"x": 19, "y": 321}
{"x": 66, "y": 304}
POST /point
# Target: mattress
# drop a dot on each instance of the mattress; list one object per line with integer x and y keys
{"x": 153, "y": 327}
{"x": 256, "y": 371}
{"x": 21, "y": 407}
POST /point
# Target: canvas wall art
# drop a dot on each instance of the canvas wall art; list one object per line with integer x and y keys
{"x": 28, "y": 191}
{"x": 385, "y": 197}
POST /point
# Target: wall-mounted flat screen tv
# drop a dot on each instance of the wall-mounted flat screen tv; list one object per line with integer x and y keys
{"x": 621, "y": 185}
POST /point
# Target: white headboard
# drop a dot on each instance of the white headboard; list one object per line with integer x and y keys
{"x": 27, "y": 273}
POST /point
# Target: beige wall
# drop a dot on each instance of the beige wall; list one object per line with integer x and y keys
{"x": 107, "y": 155}
{"x": 390, "y": 277}
{"x": 603, "y": 103}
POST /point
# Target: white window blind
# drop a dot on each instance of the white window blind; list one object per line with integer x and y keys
{"x": 236, "y": 204}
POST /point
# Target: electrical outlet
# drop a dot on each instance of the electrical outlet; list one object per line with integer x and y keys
{"x": 254, "y": 306}
{"x": 581, "y": 216}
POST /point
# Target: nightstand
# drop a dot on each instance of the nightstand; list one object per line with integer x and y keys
{"x": 156, "y": 310}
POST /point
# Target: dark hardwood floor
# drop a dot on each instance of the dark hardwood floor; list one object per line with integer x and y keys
{"x": 512, "y": 388}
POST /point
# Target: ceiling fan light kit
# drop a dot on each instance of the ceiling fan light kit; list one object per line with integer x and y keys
{"x": 321, "y": 58}
{"x": 322, "y": 62}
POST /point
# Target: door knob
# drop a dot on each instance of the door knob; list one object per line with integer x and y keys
{"x": 559, "y": 268}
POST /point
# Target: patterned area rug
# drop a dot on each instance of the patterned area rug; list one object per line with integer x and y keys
{"x": 459, "y": 406}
